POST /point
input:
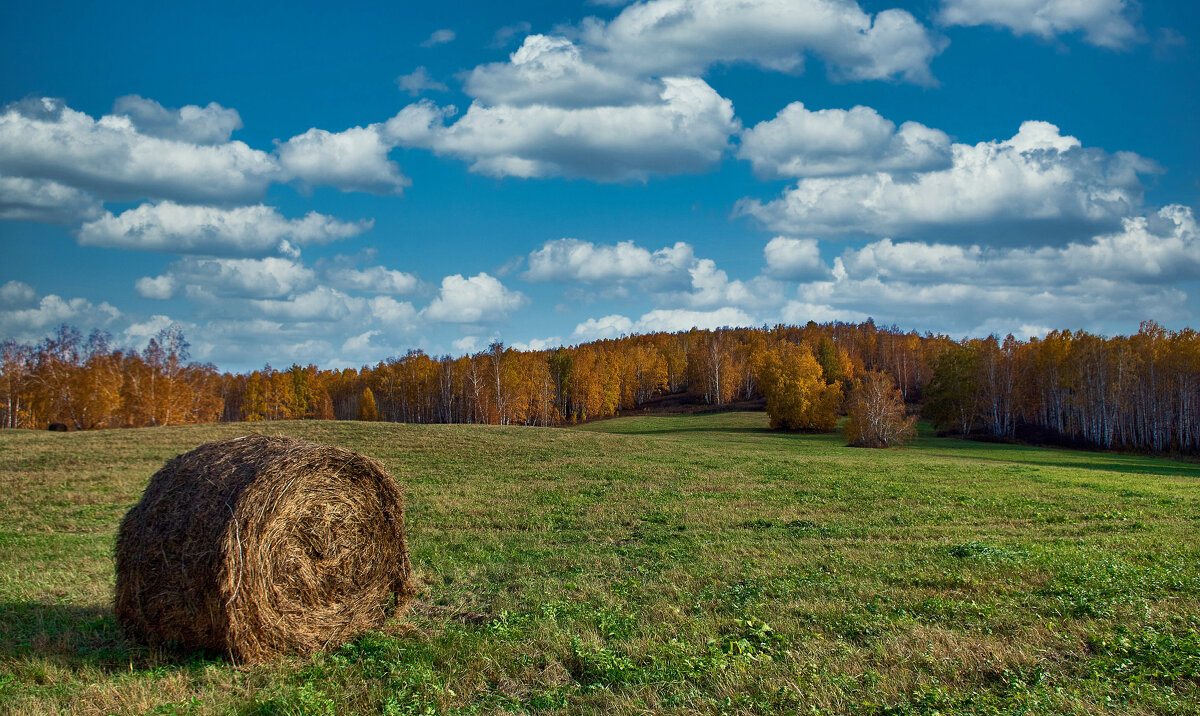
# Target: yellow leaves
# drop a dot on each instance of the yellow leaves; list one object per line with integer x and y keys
{"x": 794, "y": 385}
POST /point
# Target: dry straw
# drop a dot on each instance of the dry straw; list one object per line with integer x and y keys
{"x": 260, "y": 546}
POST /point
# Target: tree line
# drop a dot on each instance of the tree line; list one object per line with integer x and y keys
{"x": 1132, "y": 392}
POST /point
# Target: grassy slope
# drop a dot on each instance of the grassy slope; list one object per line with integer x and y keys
{"x": 672, "y": 564}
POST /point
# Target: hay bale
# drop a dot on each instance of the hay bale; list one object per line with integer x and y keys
{"x": 260, "y": 546}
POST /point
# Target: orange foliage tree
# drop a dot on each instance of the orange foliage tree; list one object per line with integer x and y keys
{"x": 798, "y": 398}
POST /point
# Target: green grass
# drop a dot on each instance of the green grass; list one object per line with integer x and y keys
{"x": 658, "y": 565}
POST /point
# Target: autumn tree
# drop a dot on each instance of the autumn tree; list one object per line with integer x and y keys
{"x": 366, "y": 406}
{"x": 798, "y": 398}
{"x": 876, "y": 413}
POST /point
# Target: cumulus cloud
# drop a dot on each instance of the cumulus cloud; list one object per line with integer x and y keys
{"x": 113, "y": 159}
{"x": 1039, "y": 185}
{"x": 478, "y": 299}
{"x": 687, "y": 130}
{"x": 353, "y": 160}
{"x": 269, "y": 277}
{"x": 1108, "y": 282}
{"x": 212, "y": 124}
{"x": 552, "y": 70}
{"x": 663, "y": 37}
{"x": 612, "y": 326}
{"x": 418, "y": 81}
{"x": 967, "y": 308}
{"x": 321, "y": 304}
{"x": 139, "y": 333}
{"x": 30, "y": 318}
{"x": 46, "y": 201}
{"x": 538, "y": 344}
{"x": 58, "y": 164}
{"x": 1162, "y": 248}
{"x": 673, "y": 275}
{"x": 800, "y": 312}
{"x": 623, "y": 100}
{"x": 569, "y": 260}
{"x": 241, "y": 231}
{"x": 660, "y": 320}
{"x": 159, "y": 288}
{"x": 798, "y": 259}
{"x": 466, "y": 344}
{"x": 439, "y": 37}
{"x": 831, "y": 142}
{"x": 374, "y": 279}
{"x": 1105, "y": 23}
{"x": 17, "y": 294}
{"x": 710, "y": 286}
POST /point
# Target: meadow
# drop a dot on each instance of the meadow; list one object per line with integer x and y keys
{"x": 685, "y": 564}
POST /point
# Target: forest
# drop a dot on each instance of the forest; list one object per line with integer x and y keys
{"x": 1136, "y": 392}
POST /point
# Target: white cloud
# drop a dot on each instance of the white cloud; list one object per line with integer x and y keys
{"x": 675, "y": 320}
{"x": 612, "y": 326}
{"x": 156, "y": 287}
{"x": 668, "y": 320}
{"x": 478, "y": 299}
{"x": 318, "y": 305}
{"x": 537, "y": 344}
{"x": 242, "y": 231}
{"x": 663, "y": 37}
{"x": 139, "y": 333}
{"x": 1105, "y": 23}
{"x": 360, "y": 344}
{"x": 1107, "y": 283}
{"x": 396, "y": 315}
{"x": 31, "y": 323}
{"x": 798, "y": 259}
{"x": 374, "y": 279}
{"x": 43, "y": 200}
{"x": 687, "y": 130}
{"x": 1038, "y": 185}
{"x": 245, "y": 278}
{"x": 111, "y": 158}
{"x": 567, "y": 260}
{"x": 962, "y": 307}
{"x": 212, "y": 124}
{"x": 674, "y": 275}
{"x": 801, "y": 312}
{"x": 466, "y": 344}
{"x": 551, "y": 70}
{"x": 710, "y": 286}
{"x": 439, "y": 37}
{"x": 831, "y": 142}
{"x": 1160, "y": 249}
{"x": 419, "y": 81}
{"x": 353, "y": 160}
{"x": 17, "y": 294}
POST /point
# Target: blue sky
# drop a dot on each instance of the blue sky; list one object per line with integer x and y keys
{"x": 300, "y": 183}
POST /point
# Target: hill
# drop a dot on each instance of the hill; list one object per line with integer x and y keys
{"x": 670, "y": 564}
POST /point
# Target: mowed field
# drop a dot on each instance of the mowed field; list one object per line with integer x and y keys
{"x": 658, "y": 565}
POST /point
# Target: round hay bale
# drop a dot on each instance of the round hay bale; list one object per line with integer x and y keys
{"x": 260, "y": 546}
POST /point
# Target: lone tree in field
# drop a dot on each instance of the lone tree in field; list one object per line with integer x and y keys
{"x": 876, "y": 411}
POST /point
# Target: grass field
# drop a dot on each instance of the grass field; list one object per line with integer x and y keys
{"x": 658, "y": 565}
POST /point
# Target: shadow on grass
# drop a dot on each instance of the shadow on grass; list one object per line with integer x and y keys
{"x": 672, "y": 430}
{"x": 1050, "y": 456}
{"x": 78, "y": 637}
